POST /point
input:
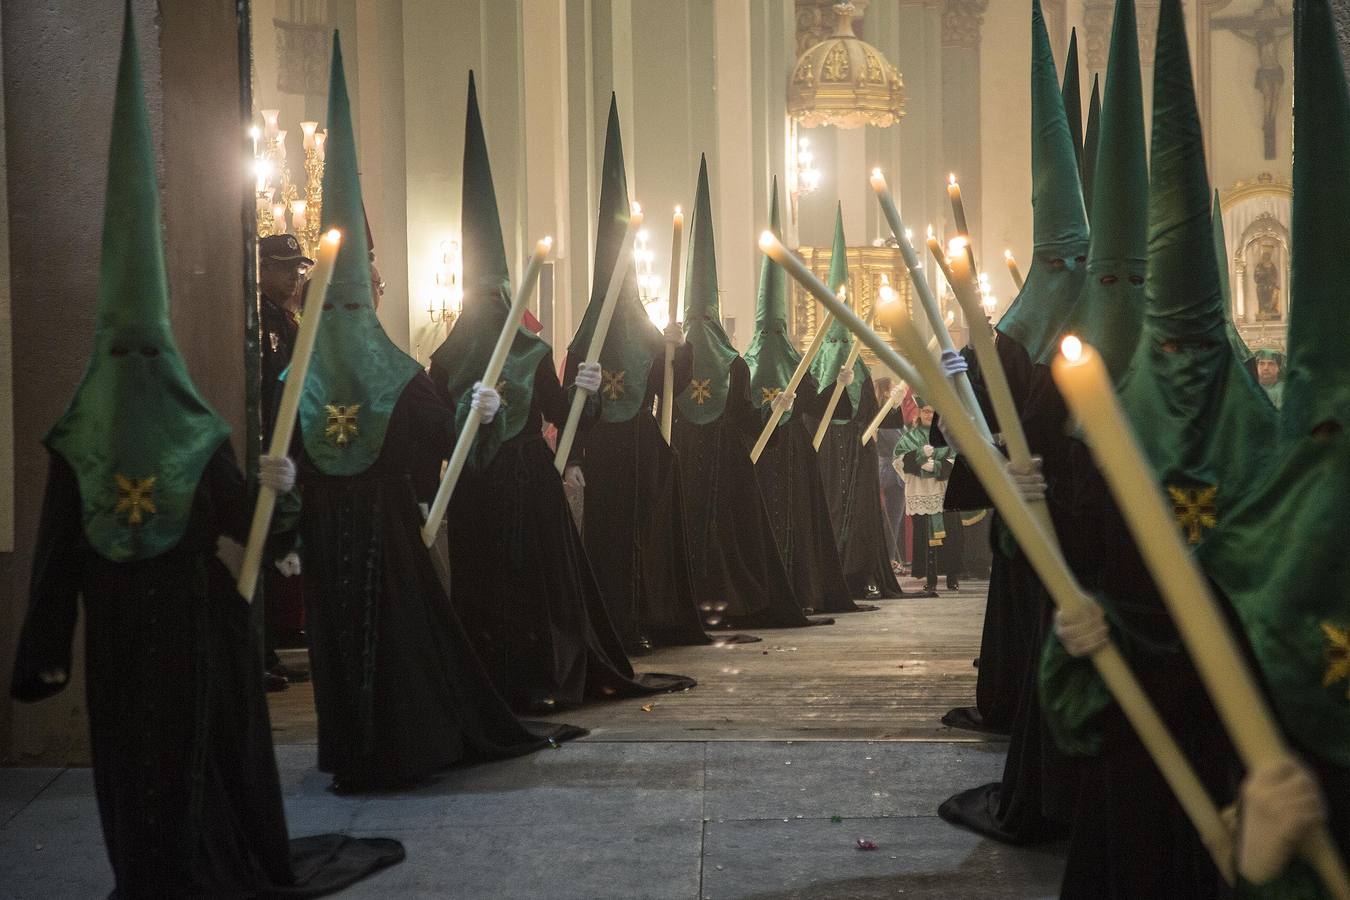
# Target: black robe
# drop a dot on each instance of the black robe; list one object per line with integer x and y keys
{"x": 186, "y": 782}
{"x": 1034, "y": 800}
{"x": 789, "y": 480}
{"x": 732, "y": 547}
{"x": 522, "y": 582}
{"x": 853, "y": 489}
{"x": 399, "y": 690}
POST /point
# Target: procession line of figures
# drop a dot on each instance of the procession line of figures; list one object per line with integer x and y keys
{"x": 690, "y": 537}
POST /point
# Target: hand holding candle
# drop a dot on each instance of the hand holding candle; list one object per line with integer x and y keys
{"x": 1082, "y": 379}
{"x": 668, "y": 394}
{"x": 1036, "y": 542}
{"x": 500, "y": 351}
{"x": 803, "y": 366}
{"x": 247, "y": 583}
{"x": 824, "y": 427}
{"x": 569, "y": 432}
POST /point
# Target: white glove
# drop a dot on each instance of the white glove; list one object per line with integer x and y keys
{"x": 897, "y": 396}
{"x": 674, "y": 333}
{"x": 952, "y": 363}
{"x": 574, "y": 479}
{"x": 845, "y": 375}
{"x": 783, "y": 402}
{"x": 1280, "y": 802}
{"x": 277, "y": 473}
{"x": 927, "y": 449}
{"x": 486, "y": 400}
{"x": 289, "y": 565}
{"x": 1083, "y": 631}
{"x": 588, "y": 377}
{"x": 52, "y": 676}
{"x": 1031, "y": 485}
{"x": 929, "y": 466}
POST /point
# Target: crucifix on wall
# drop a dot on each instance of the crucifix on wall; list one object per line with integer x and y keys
{"x": 1265, "y": 28}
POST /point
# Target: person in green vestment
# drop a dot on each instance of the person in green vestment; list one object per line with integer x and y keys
{"x": 522, "y": 581}
{"x": 732, "y": 544}
{"x": 925, "y": 470}
{"x": 1293, "y": 598}
{"x": 1270, "y": 375}
{"x": 142, "y": 484}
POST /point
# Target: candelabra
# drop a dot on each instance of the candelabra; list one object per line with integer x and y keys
{"x": 281, "y": 207}
{"x": 444, "y": 306}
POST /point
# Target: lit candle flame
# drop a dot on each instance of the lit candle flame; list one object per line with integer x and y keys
{"x": 930, "y": 232}
{"x": 951, "y": 178}
{"x": 1072, "y": 348}
{"x": 333, "y": 236}
{"x": 765, "y": 240}
{"x": 956, "y": 246}
{"x": 546, "y": 243}
{"x": 1007, "y": 254}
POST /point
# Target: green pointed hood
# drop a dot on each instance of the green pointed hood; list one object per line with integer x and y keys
{"x": 462, "y": 357}
{"x": 1240, "y": 348}
{"x": 1294, "y": 603}
{"x": 1038, "y": 315}
{"x": 838, "y": 339}
{"x": 704, "y": 398}
{"x": 1317, "y": 377}
{"x": 1091, "y": 138}
{"x": 1110, "y": 311}
{"x": 1071, "y": 92}
{"x": 356, "y": 374}
{"x": 1201, "y": 421}
{"x": 633, "y": 342}
{"x": 772, "y": 358}
{"x": 137, "y": 433}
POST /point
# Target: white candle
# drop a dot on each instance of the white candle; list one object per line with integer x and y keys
{"x": 1086, "y": 387}
{"x": 500, "y": 351}
{"x": 958, "y": 208}
{"x": 1012, "y": 269}
{"x": 320, "y": 139}
{"x": 290, "y": 406}
{"x": 298, "y": 219}
{"x": 279, "y": 218}
{"x": 269, "y": 117}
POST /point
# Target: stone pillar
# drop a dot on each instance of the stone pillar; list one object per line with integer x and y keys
{"x": 961, "y": 23}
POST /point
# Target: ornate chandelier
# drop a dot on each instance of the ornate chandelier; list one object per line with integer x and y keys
{"x": 845, "y": 82}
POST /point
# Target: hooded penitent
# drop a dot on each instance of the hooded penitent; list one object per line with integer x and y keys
{"x": 1199, "y": 419}
{"x": 633, "y": 342}
{"x": 463, "y": 356}
{"x": 838, "y": 343}
{"x": 704, "y": 398}
{"x": 1110, "y": 310}
{"x": 1277, "y": 556}
{"x": 1038, "y": 315}
{"x": 1072, "y": 93}
{"x": 137, "y": 434}
{"x": 1091, "y": 140}
{"x": 356, "y": 374}
{"x": 772, "y": 358}
{"x": 1240, "y": 348}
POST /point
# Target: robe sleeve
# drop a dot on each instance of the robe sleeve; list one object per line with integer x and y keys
{"x": 49, "y": 626}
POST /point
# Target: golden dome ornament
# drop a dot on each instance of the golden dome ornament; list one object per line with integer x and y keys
{"x": 845, "y": 81}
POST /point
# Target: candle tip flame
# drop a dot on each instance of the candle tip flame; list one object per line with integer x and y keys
{"x": 876, "y": 172}
{"x": 1072, "y": 348}
{"x": 951, "y": 178}
{"x": 956, "y": 246}
{"x": 766, "y": 239}
{"x": 547, "y": 242}
{"x": 1007, "y": 254}
{"x": 635, "y": 208}
{"x": 678, "y": 210}
{"x": 930, "y": 231}
{"x": 333, "y": 235}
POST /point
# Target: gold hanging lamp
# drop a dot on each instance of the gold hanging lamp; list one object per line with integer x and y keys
{"x": 845, "y": 82}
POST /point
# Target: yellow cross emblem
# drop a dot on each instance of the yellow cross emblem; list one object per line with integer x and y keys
{"x": 613, "y": 387}
{"x": 1194, "y": 510}
{"x": 700, "y": 390}
{"x": 1338, "y": 656}
{"x": 342, "y": 423}
{"x": 769, "y": 395}
{"x": 501, "y": 392}
{"x": 135, "y": 496}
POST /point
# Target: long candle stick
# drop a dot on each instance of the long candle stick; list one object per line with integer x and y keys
{"x": 803, "y": 366}
{"x": 668, "y": 395}
{"x": 959, "y": 215}
{"x": 1037, "y": 543}
{"x": 1086, "y": 387}
{"x": 247, "y": 582}
{"x": 940, "y": 256}
{"x": 500, "y": 351}
{"x": 824, "y": 427}
{"x": 601, "y": 332}
{"x": 889, "y": 404}
{"x": 926, "y": 298}
{"x": 1013, "y": 270}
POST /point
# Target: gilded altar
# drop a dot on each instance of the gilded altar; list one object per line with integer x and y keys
{"x": 868, "y": 269}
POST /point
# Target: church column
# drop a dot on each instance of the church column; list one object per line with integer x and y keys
{"x": 961, "y": 21}
{"x": 737, "y": 179}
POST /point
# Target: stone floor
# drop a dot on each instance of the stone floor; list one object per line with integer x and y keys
{"x": 828, "y": 736}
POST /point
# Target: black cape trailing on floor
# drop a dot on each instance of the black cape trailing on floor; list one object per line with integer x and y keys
{"x": 189, "y": 798}
{"x": 788, "y": 475}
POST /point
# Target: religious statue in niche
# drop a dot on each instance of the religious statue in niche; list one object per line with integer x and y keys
{"x": 304, "y": 39}
{"x": 1266, "y": 276}
{"x": 1266, "y": 28}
